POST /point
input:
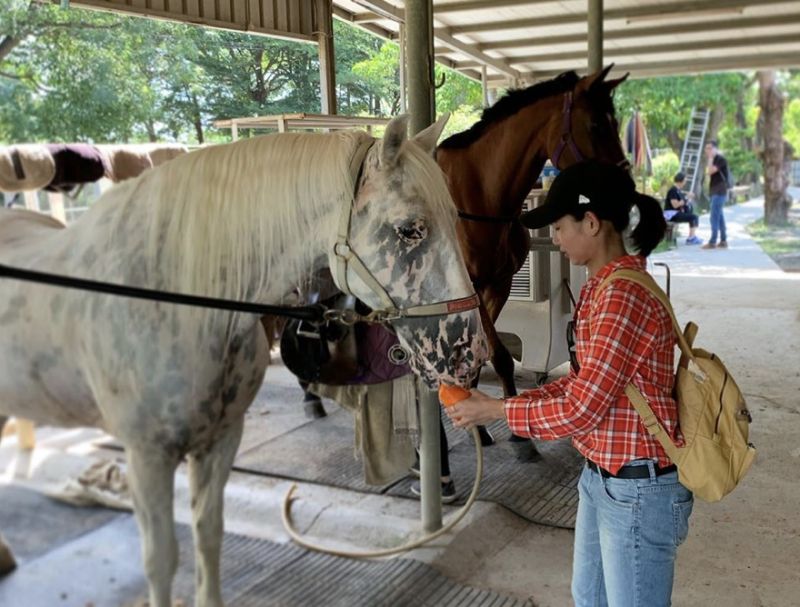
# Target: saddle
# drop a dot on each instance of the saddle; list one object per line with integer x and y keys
{"x": 337, "y": 354}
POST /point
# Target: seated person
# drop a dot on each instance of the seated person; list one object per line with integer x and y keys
{"x": 678, "y": 209}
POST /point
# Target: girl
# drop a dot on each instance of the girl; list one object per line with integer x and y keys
{"x": 632, "y": 512}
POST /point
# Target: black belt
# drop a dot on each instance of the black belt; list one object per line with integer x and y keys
{"x": 640, "y": 471}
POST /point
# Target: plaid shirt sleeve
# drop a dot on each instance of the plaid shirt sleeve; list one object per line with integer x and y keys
{"x": 619, "y": 338}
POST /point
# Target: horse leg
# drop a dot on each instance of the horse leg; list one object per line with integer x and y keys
{"x": 151, "y": 476}
{"x": 208, "y": 473}
{"x": 7, "y": 562}
{"x": 312, "y": 404}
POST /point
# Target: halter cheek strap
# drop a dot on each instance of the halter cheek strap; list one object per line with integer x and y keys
{"x": 566, "y": 133}
{"x": 343, "y": 257}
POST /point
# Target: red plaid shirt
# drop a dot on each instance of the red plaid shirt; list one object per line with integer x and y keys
{"x": 623, "y": 334}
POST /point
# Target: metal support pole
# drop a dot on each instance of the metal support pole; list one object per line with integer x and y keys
{"x": 327, "y": 60}
{"x": 421, "y": 105}
{"x": 430, "y": 460}
{"x": 401, "y": 41}
{"x": 419, "y": 55}
{"x": 595, "y": 18}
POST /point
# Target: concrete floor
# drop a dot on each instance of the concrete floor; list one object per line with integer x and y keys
{"x": 742, "y": 551}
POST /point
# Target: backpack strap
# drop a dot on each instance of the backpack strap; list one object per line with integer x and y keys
{"x": 651, "y": 422}
{"x": 639, "y": 402}
{"x": 645, "y": 280}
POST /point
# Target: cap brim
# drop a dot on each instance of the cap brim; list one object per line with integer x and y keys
{"x": 540, "y": 217}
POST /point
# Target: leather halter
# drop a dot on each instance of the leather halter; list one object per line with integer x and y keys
{"x": 342, "y": 258}
{"x": 566, "y": 139}
{"x": 566, "y": 133}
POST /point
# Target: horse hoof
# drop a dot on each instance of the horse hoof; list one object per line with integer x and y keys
{"x": 7, "y": 562}
{"x": 487, "y": 440}
{"x": 314, "y": 409}
{"x": 525, "y": 450}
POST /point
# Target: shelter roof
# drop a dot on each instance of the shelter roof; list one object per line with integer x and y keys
{"x": 527, "y": 40}
{"x": 521, "y": 41}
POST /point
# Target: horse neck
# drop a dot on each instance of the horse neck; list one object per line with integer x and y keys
{"x": 115, "y": 226}
{"x": 505, "y": 162}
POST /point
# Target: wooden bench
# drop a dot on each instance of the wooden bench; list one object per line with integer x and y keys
{"x": 671, "y": 234}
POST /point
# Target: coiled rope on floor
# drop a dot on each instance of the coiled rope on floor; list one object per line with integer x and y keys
{"x": 365, "y": 554}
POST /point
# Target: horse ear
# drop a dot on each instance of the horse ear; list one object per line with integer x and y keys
{"x": 610, "y": 85}
{"x": 428, "y": 137}
{"x": 393, "y": 139}
{"x": 593, "y": 80}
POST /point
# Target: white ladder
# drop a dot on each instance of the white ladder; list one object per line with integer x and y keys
{"x": 692, "y": 152}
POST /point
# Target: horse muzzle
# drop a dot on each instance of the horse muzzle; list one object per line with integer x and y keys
{"x": 450, "y": 349}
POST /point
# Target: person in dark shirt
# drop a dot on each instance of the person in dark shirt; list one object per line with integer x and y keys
{"x": 679, "y": 210}
{"x": 718, "y": 190}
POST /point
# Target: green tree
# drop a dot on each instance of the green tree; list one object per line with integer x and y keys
{"x": 666, "y": 103}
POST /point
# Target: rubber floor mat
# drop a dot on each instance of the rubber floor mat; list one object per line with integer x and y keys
{"x": 543, "y": 492}
{"x": 103, "y": 568}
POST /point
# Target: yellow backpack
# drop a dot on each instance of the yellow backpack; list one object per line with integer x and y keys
{"x": 712, "y": 412}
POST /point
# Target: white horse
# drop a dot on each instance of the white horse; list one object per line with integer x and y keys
{"x": 247, "y": 221}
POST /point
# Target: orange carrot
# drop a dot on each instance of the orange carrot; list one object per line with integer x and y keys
{"x": 450, "y": 395}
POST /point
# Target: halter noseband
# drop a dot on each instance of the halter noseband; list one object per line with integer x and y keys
{"x": 343, "y": 257}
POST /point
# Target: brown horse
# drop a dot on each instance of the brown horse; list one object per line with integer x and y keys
{"x": 492, "y": 167}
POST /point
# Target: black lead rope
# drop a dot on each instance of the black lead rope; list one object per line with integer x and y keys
{"x": 313, "y": 313}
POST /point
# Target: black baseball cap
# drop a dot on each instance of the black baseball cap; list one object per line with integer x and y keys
{"x": 602, "y": 187}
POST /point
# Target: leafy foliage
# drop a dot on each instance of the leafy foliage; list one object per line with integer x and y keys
{"x": 664, "y": 168}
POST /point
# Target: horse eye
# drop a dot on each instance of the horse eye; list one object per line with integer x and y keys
{"x": 412, "y": 232}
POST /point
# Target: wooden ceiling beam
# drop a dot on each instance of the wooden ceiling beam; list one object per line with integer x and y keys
{"x": 644, "y": 32}
{"x": 683, "y": 10}
{"x": 502, "y": 66}
{"x": 704, "y": 45}
{"x": 674, "y": 68}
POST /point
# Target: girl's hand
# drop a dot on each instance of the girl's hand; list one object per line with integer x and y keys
{"x": 477, "y": 410}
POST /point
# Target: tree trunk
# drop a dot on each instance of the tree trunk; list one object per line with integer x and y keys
{"x": 675, "y": 142}
{"x": 7, "y": 45}
{"x": 776, "y": 200}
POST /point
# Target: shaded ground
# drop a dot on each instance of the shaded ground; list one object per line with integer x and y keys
{"x": 742, "y": 551}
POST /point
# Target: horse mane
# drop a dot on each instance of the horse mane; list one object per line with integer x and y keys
{"x": 221, "y": 221}
{"x": 511, "y": 103}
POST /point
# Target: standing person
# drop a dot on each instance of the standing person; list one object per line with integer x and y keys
{"x": 679, "y": 209}
{"x": 718, "y": 190}
{"x": 632, "y": 510}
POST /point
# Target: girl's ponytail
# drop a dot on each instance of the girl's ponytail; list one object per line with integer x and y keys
{"x": 650, "y": 229}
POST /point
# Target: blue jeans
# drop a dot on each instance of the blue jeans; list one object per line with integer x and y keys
{"x": 626, "y": 535}
{"x": 718, "y": 218}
